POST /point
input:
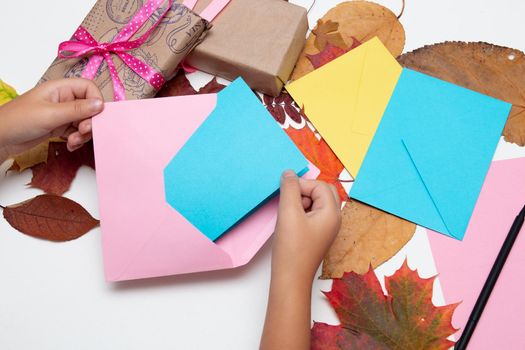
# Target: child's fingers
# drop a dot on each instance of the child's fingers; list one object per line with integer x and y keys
{"x": 79, "y": 88}
{"x": 320, "y": 193}
{"x": 72, "y": 111}
{"x": 85, "y": 126}
{"x": 307, "y": 202}
{"x": 76, "y": 140}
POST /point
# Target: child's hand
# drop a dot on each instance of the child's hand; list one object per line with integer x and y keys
{"x": 308, "y": 221}
{"x": 59, "y": 108}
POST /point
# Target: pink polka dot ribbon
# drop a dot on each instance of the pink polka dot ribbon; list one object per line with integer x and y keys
{"x": 86, "y": 45}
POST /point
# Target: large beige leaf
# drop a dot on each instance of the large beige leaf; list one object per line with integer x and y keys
{"x": 368, "y": 236}
{"x": 493, "y": 70}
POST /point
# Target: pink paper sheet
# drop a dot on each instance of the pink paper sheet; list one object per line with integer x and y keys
{"x": 464, "y": 265}
{"x": 142, "y": 235}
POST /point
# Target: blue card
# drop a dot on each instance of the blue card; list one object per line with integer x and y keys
{"x": 431, "y": 153}
{"x": 231, "y": 164}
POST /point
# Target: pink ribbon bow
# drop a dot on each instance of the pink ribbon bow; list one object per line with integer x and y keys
{"x": 85, "y": 45}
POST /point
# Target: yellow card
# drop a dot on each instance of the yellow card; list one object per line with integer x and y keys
{"x": 346, "y": 98}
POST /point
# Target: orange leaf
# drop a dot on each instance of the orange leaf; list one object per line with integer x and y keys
{"x": 50, "y": 217}
{"x": 357, "y": 20}
{"x": 321, "y": 155}
{"x": 405, "y": 318}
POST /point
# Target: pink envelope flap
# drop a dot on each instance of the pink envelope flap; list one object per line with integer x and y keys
{"x": 142, "y": 235}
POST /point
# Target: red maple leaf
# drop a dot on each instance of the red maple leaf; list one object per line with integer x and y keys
{"x": 212, "y": 87}
{"x": 403, "y": 319}
{"x": 321, "y": 155}
{"x": 55, "y": 176}
{"x": 330, "y": 53}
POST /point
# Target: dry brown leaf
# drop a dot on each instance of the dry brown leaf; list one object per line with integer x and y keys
{"x": 361, "y": 20}
{"x": 493, "y": 70}
{"x": 50, "y": 217}
{"x": 33, "y": 156}
{"x": 368, "y": 236}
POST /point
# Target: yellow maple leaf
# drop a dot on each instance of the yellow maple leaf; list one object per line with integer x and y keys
{"x": 7, "y": 92}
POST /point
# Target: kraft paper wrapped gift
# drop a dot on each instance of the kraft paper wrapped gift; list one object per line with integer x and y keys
{"x": 259, "y": 40}
{"x": 178, "y": 31}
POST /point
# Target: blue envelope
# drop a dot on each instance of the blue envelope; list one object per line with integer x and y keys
{"x": 231, "y": 164}
{"x": 431, "y": 152}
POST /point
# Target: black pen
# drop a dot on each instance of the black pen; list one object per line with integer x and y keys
{"x": 484, "y": 295}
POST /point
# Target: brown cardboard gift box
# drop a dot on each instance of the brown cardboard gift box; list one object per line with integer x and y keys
{"x": 259, "y": 40}
{"x": 179, "y": 31}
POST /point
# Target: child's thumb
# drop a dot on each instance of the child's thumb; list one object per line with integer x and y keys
{"x": 290, "y": 192}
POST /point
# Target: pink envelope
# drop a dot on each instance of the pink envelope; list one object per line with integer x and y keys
{"x": 142, "y": 235}
{"x": 463, "y": 266}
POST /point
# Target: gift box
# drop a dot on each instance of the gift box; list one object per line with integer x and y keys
{"x": 163, "y": 38}
{"x": 259, "y": 40}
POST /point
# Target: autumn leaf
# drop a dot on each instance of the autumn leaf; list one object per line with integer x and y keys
{"x": 181, "y": 86}
{"x": 55, "y": 176}
{"x": 404, "y": 319}
{"x": 7, "y": 92}
{"x": 32, "y": 156}
{"x": 212, "y": 87}
{"x": 368, "y": 236}
{"x": 490, "y": 69}
{"x": 329, "y": 53}
{"x": 178, "y": 86}
{"x": 282, "y": 106}
{"x": 321, "y": 155}
{"x": 326, "y": 33}
{"x": 357, "y": 20}
{"x": 50, "y": 217}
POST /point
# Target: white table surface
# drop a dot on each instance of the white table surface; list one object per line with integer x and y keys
{"x": 53, "y": 296}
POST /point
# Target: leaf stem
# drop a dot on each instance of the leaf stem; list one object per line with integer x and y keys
{"x": 2, "y": 207}
{"x": 345, "y": 180}
{"x": 402, "y": 10}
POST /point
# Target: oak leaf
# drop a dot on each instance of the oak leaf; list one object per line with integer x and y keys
{"x": 32, "y": 156}
{"x": 50, "y": 217}
{"x": 358, "y": 20}
{"x": 490, "y": 69}
{"x": 368, "y": 236}
{"x": 55, "y": 176}
{"x": 7, "y": 92}
{"x": 321, "y": 155}
{"x": 326, "y": 32}
{"x": 404, "y": 319}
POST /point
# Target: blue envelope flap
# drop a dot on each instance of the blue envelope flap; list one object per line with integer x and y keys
{"x": 431, "y": 153}
{"x": 231, "y": 164}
